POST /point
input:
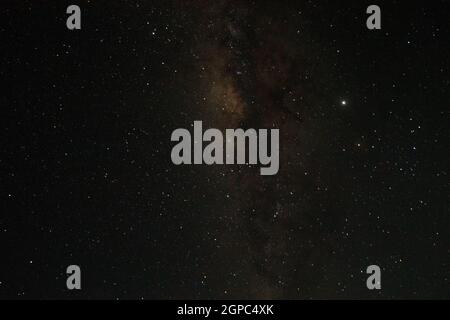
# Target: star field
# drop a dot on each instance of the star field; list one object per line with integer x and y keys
{"x": 87, "y": 179}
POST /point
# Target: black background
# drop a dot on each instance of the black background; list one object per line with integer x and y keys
{"x": 86, "y": 175}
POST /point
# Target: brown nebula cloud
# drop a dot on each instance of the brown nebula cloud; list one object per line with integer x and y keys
{"x": 257, "y": 75}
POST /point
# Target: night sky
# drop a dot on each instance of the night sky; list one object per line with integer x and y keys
{"x": 87, "y": 177}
